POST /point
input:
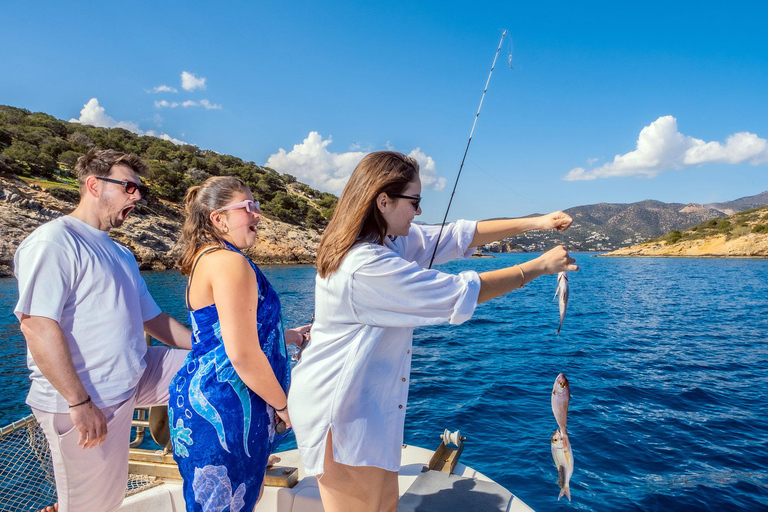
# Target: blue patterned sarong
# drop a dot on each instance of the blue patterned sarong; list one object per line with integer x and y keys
{"x": 222, "y": 432}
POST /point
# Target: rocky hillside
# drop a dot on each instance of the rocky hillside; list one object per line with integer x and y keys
{"x": 151, "y": 234}
{"x": 37, "y": 156}
{"x": 741, "y": 204}
{"x": 610, "y": 226}
{"x": 742, "y": 235}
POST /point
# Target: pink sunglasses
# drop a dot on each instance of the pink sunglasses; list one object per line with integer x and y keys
{"x": 250, "y": 206}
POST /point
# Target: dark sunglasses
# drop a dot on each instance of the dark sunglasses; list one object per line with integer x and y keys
{"x": 412, "y": 198}
{"x": 130, "y": 187}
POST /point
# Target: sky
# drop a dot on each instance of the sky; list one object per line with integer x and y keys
{"x": 589, "y": 102}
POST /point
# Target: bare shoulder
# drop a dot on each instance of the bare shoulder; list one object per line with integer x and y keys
{"x": 225, "y": 265}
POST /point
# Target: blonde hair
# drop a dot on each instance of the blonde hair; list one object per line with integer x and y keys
{"x": 198, "y": 230}
{"x": 356, "y": 217}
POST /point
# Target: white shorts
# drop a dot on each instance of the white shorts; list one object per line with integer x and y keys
{"x": 94, "y": 479}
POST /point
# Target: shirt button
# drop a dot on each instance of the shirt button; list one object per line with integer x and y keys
{"x": 399, "y": 406}
{"x": 403, "y": 379}
{"x": 408, "y": 352}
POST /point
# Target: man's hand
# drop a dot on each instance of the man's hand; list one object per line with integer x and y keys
{"x": 91, "y": 423}
{"x": 298, "y": 335}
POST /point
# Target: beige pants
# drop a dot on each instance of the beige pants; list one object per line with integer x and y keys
{"x": 93, "y": 479}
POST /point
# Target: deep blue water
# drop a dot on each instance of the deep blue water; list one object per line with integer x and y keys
{"x": 666, "y": 359}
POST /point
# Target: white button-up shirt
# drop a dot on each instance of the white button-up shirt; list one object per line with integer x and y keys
{"x": 353, "y": 376}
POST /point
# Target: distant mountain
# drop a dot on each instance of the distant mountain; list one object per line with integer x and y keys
{"x": 610, "y": 226}
{"x": 741, "y": 204}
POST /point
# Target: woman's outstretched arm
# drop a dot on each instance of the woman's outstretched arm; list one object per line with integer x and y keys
{"x": 488, "y": 231}
{"x": 498, "y": 282}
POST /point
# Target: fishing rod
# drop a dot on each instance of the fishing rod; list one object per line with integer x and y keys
{"x": 467, "y": 149}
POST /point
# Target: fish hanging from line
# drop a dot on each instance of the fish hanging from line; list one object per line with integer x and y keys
{"x": 562, "y": 291}
{"x": 560, "y": 444}
{"x": 563, "y": 458}
{"x": 561, "y": 398}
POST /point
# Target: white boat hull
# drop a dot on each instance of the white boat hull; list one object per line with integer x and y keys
{"x": 304, "y": 496}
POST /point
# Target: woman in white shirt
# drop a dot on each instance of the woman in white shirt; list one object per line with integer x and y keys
{"x": 350, "y": 388}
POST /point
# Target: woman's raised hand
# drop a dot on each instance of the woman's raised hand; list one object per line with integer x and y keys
{"x": 556, "y": 220}
{"x": 556, "y": 260}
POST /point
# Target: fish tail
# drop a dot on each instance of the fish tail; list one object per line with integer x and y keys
{"x": 565, "y": 491}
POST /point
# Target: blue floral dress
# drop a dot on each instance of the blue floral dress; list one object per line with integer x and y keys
{"x": 222, "y": 432}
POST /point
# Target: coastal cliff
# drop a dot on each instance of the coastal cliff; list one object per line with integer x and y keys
{"x": 150, "y": 233}
{"x": 742, "y": 235}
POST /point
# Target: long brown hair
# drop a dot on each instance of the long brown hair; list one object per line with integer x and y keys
{"x": 198, "y": 231}
{"x": 356, "y": 217}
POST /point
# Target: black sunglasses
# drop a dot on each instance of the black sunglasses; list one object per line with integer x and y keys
{"x": 130, "y": 187}
{"x": 412, "y": 198}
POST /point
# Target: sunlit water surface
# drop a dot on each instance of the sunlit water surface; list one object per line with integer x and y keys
{"x": 666, "y": 360}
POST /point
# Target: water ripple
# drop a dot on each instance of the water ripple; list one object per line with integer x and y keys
{"x": 666, "y": 360}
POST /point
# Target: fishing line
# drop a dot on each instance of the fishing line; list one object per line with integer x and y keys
{"x": 440, "y": 233}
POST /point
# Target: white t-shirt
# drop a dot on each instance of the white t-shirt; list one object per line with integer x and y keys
{"x": 76, "y": 275}
{"x": 353, "y": 377}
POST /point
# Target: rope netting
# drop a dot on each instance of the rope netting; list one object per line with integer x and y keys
{"x": 26, "y": 469}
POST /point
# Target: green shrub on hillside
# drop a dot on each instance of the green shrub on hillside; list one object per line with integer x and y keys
{"x": 673, "y": 237}
{"x": 39, "y": 145}
{"x": 65, "y": 194}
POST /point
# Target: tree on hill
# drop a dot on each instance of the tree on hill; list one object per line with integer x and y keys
{"x": 39, "y": 145}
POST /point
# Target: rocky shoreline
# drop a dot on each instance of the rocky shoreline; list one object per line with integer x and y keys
{"x": 753, "y": 245}
{"x": 149, "y": 232}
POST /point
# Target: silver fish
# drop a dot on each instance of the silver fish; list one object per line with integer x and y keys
{"x": 563, "y": 457}
{"x": 561, "y": 397}
{"x": 562, "y": 291}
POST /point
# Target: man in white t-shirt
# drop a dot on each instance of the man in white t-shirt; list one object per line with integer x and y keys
{"x": 84, "y": 307}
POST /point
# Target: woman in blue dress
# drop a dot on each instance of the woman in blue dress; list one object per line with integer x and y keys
{"x": 230, "y": 395}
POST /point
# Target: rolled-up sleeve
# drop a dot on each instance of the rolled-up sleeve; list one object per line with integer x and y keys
{"x": 388, "y": 291}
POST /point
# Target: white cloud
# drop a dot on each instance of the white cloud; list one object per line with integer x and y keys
{"x": 190, "y": 103}
{"x": 661, "y": 148}
{"x": 166, "y": 104}
{"x": 165, "y": 136}
{"x": 190, "y": 82}
{"x": 427, "y": 170}
{"x": 94, "y": 114}
{"x": 210, "y": 106}
{"x": 312, "y": 163}
{"x": 590, "y": 161}
{"x": 164, "y": 88}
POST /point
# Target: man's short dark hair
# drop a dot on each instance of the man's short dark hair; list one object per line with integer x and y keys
{"x": 98, "y": 162}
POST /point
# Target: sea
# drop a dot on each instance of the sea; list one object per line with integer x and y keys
{"x": 667, "y": 360}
